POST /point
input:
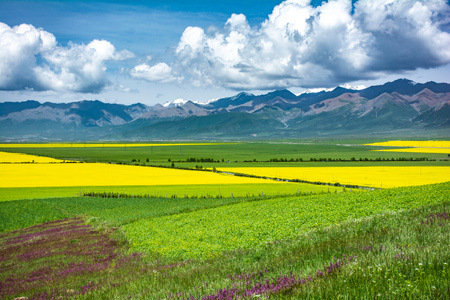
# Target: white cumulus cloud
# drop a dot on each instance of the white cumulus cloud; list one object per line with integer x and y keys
{"x": 302, "y": 45}
{"x": 30, "y": 58}
{"x": 160, "y": 72}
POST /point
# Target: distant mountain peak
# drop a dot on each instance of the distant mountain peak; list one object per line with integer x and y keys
{"x": 315, "y": 90}
{"x": 405, "y": 80}
{"x": 281, "y": 93}
{"x": 206, "y": 102}
{"x": 176, "y": 102}
{"x": 348, "y": 86}
{"x": 240, "y": 95}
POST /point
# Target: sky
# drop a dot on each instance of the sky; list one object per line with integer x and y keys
{"x": 161, "y": 50}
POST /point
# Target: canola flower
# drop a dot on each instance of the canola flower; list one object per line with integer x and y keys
{"x": 98, "y": 174}
{"x": 379, "y": 177}
{"x": 7, "y": 157}
{"x": 438, "y": 147}
{"x": 418, "y": 144}
{"x": 100, "y": 145}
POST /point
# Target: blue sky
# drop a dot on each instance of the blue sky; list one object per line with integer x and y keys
{"x": 140, "y": 26}
{"x": 158, "y": 51}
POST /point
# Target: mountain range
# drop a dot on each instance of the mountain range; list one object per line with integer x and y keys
{"x": 401, "y": 107}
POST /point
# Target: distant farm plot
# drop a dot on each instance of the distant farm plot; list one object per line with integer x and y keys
{"x": 7, "y": 157}
{"x": 267, "y": 188}
{"x": 97, "y": 174}
{"x": 419, "y": 144}
{"x": 419, "y": 150}
{"x": 380, "y": 177}
{"x": 26, "y": 181}
{"x": 20, "y": 178}
{"x": 438, "y": 147}
{"x": 218, "y": 154}
{"x": 97, "y": 145}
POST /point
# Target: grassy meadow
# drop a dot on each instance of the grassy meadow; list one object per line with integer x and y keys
{"x": 160, "y": 221}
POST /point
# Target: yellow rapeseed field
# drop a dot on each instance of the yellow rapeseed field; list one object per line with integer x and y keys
{"x": 97, "y": 145}
{"x": 418, "y": 144}
{"x": 7, "y": 157}
{"x": 97, "y": 174}
{"x": 438, "y": 147}
{"x": 380, "y": 177}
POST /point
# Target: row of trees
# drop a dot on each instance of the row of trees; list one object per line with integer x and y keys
{"x": 312, "y": 159}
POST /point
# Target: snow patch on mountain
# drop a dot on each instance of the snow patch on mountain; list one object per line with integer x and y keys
{"x": 315, "y": 90}
{"x": 206, "y": 102}
{"x": 358, "y": 87}
{"x": 345, "y": 86}
{"x": 176, "y": 102}
{"x": 242, "y": 94}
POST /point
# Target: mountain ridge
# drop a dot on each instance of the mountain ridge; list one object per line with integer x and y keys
{"x": 398, "y": 105}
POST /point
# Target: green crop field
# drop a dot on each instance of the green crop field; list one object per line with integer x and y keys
{"x": 181, "y": 191}
{"x": 113, "y": 211}
{"x": 226, "y": 154}
{"x": 274, "y": 240}
{"x": 251, "y": 225}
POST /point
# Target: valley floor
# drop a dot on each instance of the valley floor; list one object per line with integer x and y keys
{"x": 159, "y": 221}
